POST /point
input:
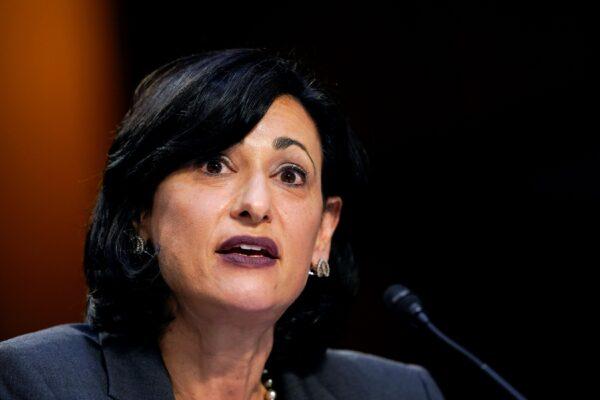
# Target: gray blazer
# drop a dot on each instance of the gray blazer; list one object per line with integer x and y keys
{"x": 75, "y": 362}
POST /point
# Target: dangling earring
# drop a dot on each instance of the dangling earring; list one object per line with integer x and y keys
{"x": 322, "y": 269}
{"x": 139, "y": 244}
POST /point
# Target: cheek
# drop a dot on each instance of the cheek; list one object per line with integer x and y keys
{"x": 181, "y": 221}
{"x": 182, "y": 226}
{"x": 301, "y": 228}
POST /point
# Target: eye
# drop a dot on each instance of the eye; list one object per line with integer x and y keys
{"x": 293, "y": 175}
{"x": 213, "y": 166}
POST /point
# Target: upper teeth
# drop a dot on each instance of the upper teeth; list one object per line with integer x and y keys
{"x": 250, "y": 247}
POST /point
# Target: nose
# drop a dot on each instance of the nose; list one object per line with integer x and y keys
{"x": 253, "y": 200}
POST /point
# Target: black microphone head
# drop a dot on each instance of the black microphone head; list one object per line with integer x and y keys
{"x": 402, "y": 301}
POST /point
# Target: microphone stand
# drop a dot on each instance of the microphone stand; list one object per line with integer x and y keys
{"x": 402, "y": 301}
{"x": 486, "y": 368}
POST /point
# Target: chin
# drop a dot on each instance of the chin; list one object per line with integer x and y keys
{"x": 255, "y": 297}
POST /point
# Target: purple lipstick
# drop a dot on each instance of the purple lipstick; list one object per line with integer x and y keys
{"x": 249, "y": 251}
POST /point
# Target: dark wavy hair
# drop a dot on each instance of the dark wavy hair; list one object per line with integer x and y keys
{"x": 187, "y": 112}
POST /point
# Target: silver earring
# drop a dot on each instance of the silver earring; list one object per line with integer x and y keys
{"x": 140, "y": 246}
{"x": 322, "y": 268}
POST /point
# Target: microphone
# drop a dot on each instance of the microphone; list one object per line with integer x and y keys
{"x": 401, "y": 301}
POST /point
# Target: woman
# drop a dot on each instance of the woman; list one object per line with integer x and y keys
{"x": 211, "y": 260}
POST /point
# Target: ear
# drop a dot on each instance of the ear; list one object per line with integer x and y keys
{"x": 329, "y": 221}
{"x": 142, "y": 225}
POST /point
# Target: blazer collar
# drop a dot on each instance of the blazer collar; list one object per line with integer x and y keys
{"x": 307, "y": 387}
{"x": 134, "y": 371}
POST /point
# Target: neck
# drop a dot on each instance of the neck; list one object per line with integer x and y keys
{"x": 216, "y": 359}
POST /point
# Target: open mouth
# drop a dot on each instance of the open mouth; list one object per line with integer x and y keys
{"x": 247, "y": 257}
{"x": 251, "y": 251}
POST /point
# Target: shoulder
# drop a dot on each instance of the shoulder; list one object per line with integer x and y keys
{"x": 55, "y": 345}
{"x": 49, "y": 362}
{"x": 66, "y": 334}
{"x": 377, "y": 376}
{"x": 368, "y": 363}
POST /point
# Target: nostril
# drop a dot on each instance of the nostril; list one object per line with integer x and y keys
{"x": 247, "y": 213}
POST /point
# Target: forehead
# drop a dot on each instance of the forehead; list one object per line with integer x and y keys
{"x": 286, "y": 118}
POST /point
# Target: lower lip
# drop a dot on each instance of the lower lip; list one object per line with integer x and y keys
{"x": 248, "y": 261}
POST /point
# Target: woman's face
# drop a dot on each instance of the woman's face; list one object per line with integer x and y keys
{"x": 263, "y": 186}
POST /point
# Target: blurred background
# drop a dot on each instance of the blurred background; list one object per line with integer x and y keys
{"x": 478, "y": 117}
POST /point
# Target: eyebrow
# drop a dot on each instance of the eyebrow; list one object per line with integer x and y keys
{"x": 283, "y": 142}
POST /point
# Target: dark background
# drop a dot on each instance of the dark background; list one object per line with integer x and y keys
{"x": 478, "y": 118}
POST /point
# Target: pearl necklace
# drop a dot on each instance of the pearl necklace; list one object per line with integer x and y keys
{"x": 268, "y": 384}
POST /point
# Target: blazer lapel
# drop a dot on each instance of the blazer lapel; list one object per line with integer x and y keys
{"x": 134, "y": 371}
{"x": 307, "y": 387}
